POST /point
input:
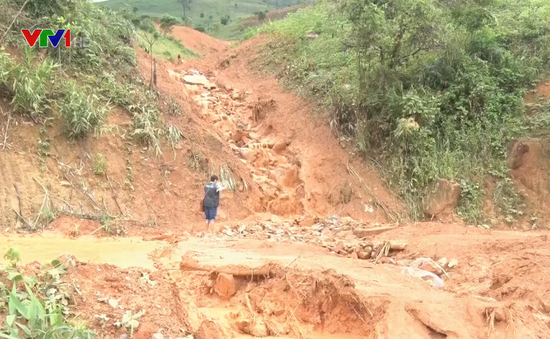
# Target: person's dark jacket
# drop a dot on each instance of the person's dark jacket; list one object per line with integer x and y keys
{"x": 211, "y": 195}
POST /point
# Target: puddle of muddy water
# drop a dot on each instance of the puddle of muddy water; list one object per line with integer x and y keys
{"x": 124, "y": 252}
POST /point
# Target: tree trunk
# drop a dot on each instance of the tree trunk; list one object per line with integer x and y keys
{"x": 155, "y": 73}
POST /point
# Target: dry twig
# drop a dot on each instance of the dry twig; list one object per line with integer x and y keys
{"x": 6, "y": 132}
{"x": 13, "y": 21}
{"x": 113, "y": 193}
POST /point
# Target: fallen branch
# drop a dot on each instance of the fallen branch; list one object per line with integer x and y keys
{"x": 18, "y": 198}
{"x": 23, "y": 219}
{"x": 384, "y": 251}
{"x": 92, "y": 200}
{"x": 46, "y": 197}
{"x": 113, "y": 194}
{"x": 392, "y": 214}
{"x": 189, "y": 264}
{"x": 249, "y": 305}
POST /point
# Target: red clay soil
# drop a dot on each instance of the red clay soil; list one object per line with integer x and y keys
{"x": 324, "y": 162}
{"x": 543, "y": 88}
{"x": 197, "y": 41}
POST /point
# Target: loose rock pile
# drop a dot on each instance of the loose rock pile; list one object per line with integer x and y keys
{"x": 342, "y": 236}
{"x": 237, "y": 117}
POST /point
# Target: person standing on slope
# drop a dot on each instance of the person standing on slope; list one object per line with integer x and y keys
{"x": 211, "y": 200}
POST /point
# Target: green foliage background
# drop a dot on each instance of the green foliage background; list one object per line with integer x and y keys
{"x": 429, "y": 88}
{"x": 78, "y": 85}
{"x": 212, "y": 10}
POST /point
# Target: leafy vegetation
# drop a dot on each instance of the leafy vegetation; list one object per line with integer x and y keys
{"x": 79, "y": 84}
{"x": 167, "y": 22}
{"x": 99, "y": 164}
{"x": 164, "y": 47}
{"x": 36, "y": 306}
{"x": 26, "y": 81}
{"x": 80, "y": 111}
{"x": 437, "y": 94}
{"x": 202, "y": 13}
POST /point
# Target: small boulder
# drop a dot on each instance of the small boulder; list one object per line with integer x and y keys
{"x": 210, "y": 329}
{"x": 226, "y": 286}
{"x": 339, "y": 247}
{"x": 237, "y": 136}
{"x": 279, "y": 146}
{"x": 364, "y": 255}
{"x": 443, "y": 196}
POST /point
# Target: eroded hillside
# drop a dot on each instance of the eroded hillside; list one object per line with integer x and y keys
{"x": 309, "y": 242}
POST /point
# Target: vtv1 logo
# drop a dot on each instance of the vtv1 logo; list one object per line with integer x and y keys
{"x": 47, "y": 36}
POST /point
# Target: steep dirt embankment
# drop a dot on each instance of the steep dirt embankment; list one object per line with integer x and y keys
{"x": 529, "y": 163}
{"x": 295, "y": 161}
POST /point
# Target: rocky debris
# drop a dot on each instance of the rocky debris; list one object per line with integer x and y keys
{"x": 255, "y": 327}
{"x": 335, "y": 234}
{"x": 235, "y": 117}
{"x": 443, "y": 196}
{"x": 198, "y": 80}
{"x": 427, "y": 264}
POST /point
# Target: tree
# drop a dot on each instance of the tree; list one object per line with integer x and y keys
{"x": 167, "y": 22}
{"x": 150, "y": 38}
{"x": 261, "y": 15}
{"x": 224, "y": 20}
{"x": 147, "y": 24}
{"x": 185, "y": 5}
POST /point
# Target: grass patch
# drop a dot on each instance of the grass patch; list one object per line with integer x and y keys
{"x": 166, "y": 47}
{"x": 99, "y": 164}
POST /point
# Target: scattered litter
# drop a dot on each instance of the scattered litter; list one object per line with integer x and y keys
{"x": 433, "y": 279}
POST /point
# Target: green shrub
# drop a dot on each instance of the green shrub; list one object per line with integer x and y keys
{"x": 99, "y": 164}
{"x": 29, "y": 83}
{"x": 437, "y": 94}
{"x": 174, "y": 135}
{"x": 81, "y": 112}
{"x": 35, "y": 305}
{"x": 147, "y": 125}
{"x": 224, "y": 20}
{"x": 6, "y": 66}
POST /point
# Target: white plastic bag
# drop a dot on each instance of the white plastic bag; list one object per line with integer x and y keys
{"x": 433, "y": 279}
